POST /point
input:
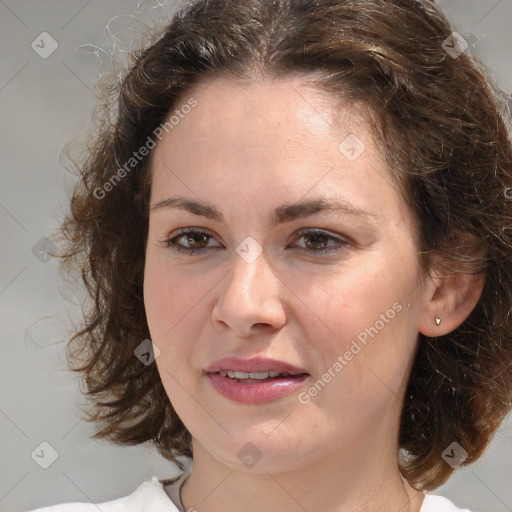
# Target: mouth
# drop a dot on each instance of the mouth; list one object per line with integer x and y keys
{"x": 255, "y": 380}
{"x": 255, "y": 377}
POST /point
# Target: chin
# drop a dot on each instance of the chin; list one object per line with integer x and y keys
{"x": 257, "y": 451}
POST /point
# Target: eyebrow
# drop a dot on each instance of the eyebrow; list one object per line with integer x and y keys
{"x": 283, "y": 213}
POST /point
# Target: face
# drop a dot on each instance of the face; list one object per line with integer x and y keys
{"x": 330, "y": 288}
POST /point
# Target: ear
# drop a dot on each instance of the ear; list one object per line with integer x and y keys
{"x": 448, "y": 301}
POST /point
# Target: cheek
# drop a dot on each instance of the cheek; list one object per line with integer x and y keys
{"x": 156, "y": 299}
{"x": 364, "y": 318}
{"x": 166, "y": 301}
{"x": 352, "y": 300}
{"x": 169, "y": 297}
{"x": 174, "y": 301}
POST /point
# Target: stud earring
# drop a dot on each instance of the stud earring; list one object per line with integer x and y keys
{"x": 438, "y": 320}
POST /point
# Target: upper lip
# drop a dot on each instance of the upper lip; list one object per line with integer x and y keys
{"x": 255, "y": 364}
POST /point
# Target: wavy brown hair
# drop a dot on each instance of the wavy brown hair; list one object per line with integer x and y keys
{"x": 440, "y": 125}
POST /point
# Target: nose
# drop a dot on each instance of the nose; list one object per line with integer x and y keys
{"x": 249, "y": 301}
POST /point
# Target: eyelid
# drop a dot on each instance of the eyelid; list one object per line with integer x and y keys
{"x": 190, "y": 229}
{"x": 320, "y": 231}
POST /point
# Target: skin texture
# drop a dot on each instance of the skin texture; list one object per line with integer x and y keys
{"x": 248, "y": 149}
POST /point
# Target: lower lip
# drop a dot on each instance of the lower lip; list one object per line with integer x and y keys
{"x": 256, "y": 392}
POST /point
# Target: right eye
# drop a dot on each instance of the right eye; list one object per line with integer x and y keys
{"x": 196, "y": 239}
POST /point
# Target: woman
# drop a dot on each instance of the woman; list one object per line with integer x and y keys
{"x": 303, "y": 205}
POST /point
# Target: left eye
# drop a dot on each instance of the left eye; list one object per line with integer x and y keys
{"x": 198, "y": 241}
{"x": 316, "y": 242}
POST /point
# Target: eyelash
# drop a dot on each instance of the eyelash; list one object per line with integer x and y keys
{"x": 171, "y": 242}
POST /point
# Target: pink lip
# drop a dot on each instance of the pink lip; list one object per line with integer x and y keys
{"x": 255, "y": 392}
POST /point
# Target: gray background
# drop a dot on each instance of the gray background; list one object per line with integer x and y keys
{"x": 44, "y": 104}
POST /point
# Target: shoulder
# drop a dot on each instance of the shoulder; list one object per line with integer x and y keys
{"x": 149, "y": 496}
{"x": 433, "y": 503}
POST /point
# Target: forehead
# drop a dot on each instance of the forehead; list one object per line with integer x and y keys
{"x": 275, "y": 142}
{"x": 288, "y": 107}
{"x": 264, "y": 121}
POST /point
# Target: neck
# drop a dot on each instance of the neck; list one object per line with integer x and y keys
{"x": 359, "y": 478}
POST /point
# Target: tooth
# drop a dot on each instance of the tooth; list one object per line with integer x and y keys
{"x": 259, "y": 375}
{"x": 251, "y": 375}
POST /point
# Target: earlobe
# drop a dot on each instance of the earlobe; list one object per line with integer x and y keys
{"x": 449, "y": 301}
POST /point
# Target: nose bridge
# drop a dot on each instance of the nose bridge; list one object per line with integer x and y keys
{"x": 251, "y": 272}
{"x": 250, "y": 293}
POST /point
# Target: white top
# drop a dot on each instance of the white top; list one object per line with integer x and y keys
{"x": 150, "y": 496}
